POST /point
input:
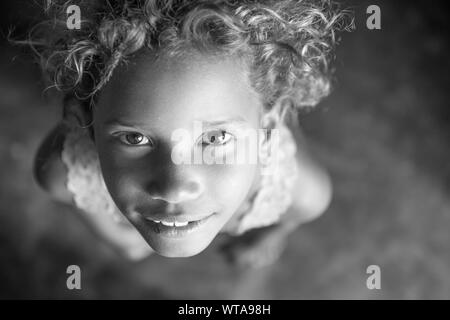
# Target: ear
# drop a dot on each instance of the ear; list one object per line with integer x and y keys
{"x": 77, "y": 112}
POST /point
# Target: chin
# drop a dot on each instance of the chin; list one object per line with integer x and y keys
{"x": 179, "y": 251}
{"x": 179, "y": 248}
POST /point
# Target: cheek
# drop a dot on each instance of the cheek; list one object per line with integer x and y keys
{"x": 230, "y": 184}
{"x": 118, "y": 178}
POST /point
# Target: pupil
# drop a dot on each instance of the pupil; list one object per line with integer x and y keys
{"x": 134, "y": 138}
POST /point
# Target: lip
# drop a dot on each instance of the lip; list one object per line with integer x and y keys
{"x": 175, "y": 218}
{"x": 177, "y": 232}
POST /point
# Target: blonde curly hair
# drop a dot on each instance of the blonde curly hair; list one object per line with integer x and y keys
{"x": 287, "y": 44}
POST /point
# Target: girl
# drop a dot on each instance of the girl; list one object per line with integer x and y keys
{"x": 139, "y": 71}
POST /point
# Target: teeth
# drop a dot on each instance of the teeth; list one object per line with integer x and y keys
{"x": 181, "y": 224}
{"x": 169, "y": 224}
{"x": 172, "y": 224}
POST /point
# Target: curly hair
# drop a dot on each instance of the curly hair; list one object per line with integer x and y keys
{"x": 287, "y": 44}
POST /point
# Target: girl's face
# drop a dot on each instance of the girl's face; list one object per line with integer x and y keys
{"x": 177, "y": 207}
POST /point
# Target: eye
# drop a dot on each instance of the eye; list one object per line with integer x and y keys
{"x": 134, "y": 139}
{"x": 216, "y": 137}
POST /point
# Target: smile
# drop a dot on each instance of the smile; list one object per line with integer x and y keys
{"x": 174, "y": 228}
{"x": 173, "y": 224}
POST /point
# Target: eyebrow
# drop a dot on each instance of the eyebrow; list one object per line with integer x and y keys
{"x": 116, "y": 122}
{"x": 228, "y": 121}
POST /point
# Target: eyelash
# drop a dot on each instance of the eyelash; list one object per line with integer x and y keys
{"x": 123, "y": 138}
{"x": 222, "y": 132}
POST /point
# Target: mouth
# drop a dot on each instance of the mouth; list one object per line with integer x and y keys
{"x": 178, "y": 227}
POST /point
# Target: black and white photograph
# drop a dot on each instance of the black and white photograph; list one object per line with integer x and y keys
{"x": 226, "y": 150}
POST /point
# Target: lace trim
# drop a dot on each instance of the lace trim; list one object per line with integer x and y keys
{"x": 274, "y": 196}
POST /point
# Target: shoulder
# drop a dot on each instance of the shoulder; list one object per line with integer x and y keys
{"x": 49, "y": 170}
{"x": 312, "y": 192}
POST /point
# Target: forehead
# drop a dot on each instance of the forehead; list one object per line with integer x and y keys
{"x": 175, "y": 91}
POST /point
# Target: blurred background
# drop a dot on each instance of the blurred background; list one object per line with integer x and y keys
{"x": 384, "y": 135}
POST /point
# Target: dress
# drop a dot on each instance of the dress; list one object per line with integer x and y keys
{"x": 86, "y": 183}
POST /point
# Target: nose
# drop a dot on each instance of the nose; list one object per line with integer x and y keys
{"x": 177, "y": 186}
